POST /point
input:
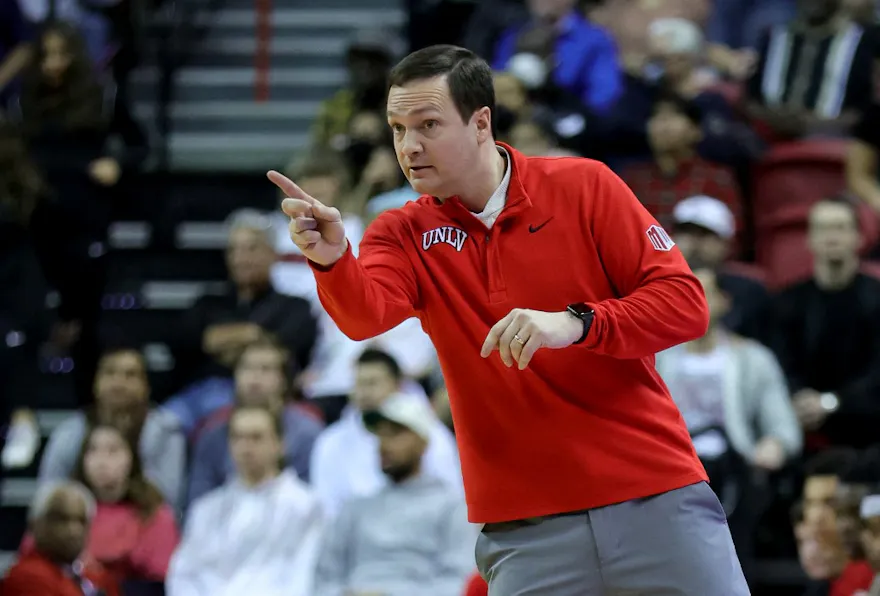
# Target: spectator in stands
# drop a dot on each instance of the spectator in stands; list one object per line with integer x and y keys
{"x": 824, "y": 553}
{"x": 257, "y": 534}
{"x": 704, "y": 230}
{"x": 863, "y": 157}
{"x": 734, "y": 386}
{"x": 734, "y": 399}
{"x": 122, "y": 395}
{"x": 59, "y": 518}
{"x": 370, "y": 57}
{"x": 412, "y": 536}
{"x": 24, "y": 323}
{"x": 15, "y": 48}
{"x": 870, "y": 538}
{"x": 676, "y": 171}
{"x": 584, "y": 58}
{"x": 134, "y": 531}
{"x": 629, "y": 22}
{"x": 791, "y": 92}
{"x": 215, "y": 330}
{"x": 676, "y": 64}
{"x": 827, "y": 331}
{"x": 263, "y": 377}
{"x": 70, "y": 122}
{"x": 345, "y": 460}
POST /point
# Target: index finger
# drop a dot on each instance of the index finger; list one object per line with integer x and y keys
{"x": 289, "y": 187}
{"x": 495, "y": 334}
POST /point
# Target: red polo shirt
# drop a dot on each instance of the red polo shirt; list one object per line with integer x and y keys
{"x": 34, "y": 574}
{"x": 584, "y": 426}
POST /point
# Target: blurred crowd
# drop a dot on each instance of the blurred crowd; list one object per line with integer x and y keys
{"x": 288, "y": 459}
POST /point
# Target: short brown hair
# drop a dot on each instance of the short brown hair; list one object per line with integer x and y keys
{"x": 469, "y": 77}
{"x": 289, "y": 365}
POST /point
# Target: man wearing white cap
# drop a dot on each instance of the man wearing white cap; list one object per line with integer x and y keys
{"x": 704, "y": 229}
{"x": 413, "y": 537}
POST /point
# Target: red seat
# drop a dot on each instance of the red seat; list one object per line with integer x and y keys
{"x": 871, "y": 268}
{"x": 795, "y": 173}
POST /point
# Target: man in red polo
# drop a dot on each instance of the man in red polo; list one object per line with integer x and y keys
{"x": 574, "y": 456}
{"x": 60, "y": 516}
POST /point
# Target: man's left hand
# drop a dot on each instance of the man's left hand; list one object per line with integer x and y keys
{"x": 522, "y": 332}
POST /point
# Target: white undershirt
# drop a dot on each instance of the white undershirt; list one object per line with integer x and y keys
{"x": 499, "y": 198}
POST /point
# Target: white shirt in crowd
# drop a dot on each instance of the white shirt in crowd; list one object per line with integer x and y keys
{"x": 345, "y": 461}
{"x": 250, "y": 540}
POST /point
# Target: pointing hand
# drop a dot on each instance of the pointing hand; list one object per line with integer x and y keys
{"x": 314, "y": 227}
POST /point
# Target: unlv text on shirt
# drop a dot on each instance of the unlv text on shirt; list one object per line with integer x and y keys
{"x": 454, "y": 237}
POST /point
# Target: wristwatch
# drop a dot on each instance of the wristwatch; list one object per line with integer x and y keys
{"x": 585, "y": 314}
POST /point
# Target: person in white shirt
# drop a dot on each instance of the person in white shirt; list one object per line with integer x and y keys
{"x": 345, "y": 458}
{"x": 259, "y": 533}
{"x": 410, "y": 538}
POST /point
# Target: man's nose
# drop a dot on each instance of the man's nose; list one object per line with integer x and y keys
{"x": 411, "y": 144}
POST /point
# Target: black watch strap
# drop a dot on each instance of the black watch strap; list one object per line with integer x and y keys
{"x": 585, "y": 314}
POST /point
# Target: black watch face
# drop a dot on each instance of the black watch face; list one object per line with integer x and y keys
{"x": 580, "y": 310}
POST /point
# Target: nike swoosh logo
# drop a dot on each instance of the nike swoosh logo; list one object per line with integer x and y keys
{"x": 534, "y": 228}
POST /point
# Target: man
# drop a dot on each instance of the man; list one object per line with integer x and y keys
{"x": 257, "y": 534}
{"x": 60, "y": 515}
{"x": 122, "y": 398}
{"x": 213, "y": 332}
{"x": 827, "y": 331}
{"x": 412, "y": 537}
{"x": 790, "y": 92}
{"x": 262, "y": 379}
{"x": 704, "y": 230}
{"x": 345, "y": 460}
{"x": 577, "y": 461}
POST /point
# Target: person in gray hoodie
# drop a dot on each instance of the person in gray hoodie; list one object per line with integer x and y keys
{"x": 122, "y": 397}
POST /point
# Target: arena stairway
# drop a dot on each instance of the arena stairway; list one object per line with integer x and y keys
{"x": 218, "y": 122}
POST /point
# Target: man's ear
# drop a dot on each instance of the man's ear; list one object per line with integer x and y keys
{"x": 483, "y": 120}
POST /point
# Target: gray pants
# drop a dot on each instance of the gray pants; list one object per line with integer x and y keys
{"x": 673, "y": 544}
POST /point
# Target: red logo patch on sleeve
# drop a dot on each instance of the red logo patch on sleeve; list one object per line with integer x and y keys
{"x": 660, "y": 240}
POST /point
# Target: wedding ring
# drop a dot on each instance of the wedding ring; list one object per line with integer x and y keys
{"x": 519, "y": 340}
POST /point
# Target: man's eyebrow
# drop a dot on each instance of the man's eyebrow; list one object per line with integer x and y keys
{"x": 416, "y": 112}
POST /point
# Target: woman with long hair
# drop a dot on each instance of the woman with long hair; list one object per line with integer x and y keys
{"x": 68, "y": 118}
{"x": 134, "y": 532}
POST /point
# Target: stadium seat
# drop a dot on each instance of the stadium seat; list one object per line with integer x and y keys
{"x": 797, "y": 173}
